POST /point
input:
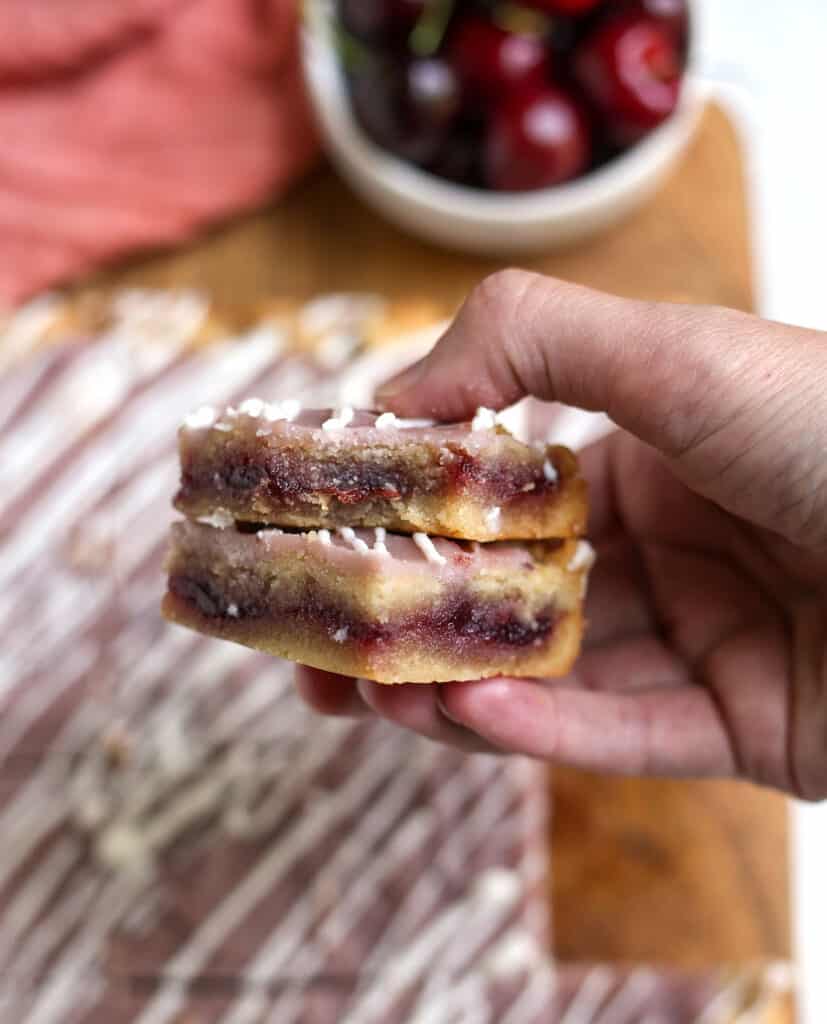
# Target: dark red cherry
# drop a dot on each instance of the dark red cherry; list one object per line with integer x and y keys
{"x": 433, "y": 91}
{"x": 536, "y": 138}
{"x": 380, "y": 20}
{"x": 631, "y": 69}
{"x": 491, "y": 61}
{"x": 407, "y": 107}
{"x": 459, "y": 158}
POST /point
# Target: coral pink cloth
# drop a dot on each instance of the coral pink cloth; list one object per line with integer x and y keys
{"x": 130, "y": 123}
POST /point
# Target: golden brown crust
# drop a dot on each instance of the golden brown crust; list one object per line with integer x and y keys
{"x": 405, "y": 664}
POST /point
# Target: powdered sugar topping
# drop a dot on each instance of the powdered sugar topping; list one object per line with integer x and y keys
{"x": 484, "y": 419}
{"x": 288, "y": 410}
{"x": 385, "y": 421}
{"x": 426, "y": 546}
{"x": 549, "y": 472}
{"x": 201, "y": 418}
{"x": 492, "y": 517}
{"x": 252, "y": 407}
{"x": 340, "y": 419}
{"x": 220, "y": 518}
{"x": 389, "y": 420}
{"x": 583, "y": 557}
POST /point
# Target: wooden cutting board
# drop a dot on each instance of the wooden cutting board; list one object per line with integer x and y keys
{"x": 684, "y": 873}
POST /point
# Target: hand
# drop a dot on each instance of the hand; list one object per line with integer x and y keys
{"x": 706, "y": 651}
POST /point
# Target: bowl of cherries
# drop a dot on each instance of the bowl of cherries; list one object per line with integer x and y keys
{"x": 503, "y": 126}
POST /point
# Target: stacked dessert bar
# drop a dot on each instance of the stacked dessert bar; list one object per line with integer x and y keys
{"x": 394, "y": 550}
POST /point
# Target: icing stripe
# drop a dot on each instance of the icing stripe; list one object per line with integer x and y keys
{"x": 221, "y": 724}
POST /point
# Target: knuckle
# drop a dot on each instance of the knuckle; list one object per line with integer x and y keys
{"x": 498, "y": 296}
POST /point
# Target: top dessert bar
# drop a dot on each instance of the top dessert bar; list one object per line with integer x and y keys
{"x": 277, "y": 463}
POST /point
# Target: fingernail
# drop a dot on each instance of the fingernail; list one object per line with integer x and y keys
{"x": 364, "y": 687}
{"x": 403, "y": 381}
{"x": 440, "y": 703}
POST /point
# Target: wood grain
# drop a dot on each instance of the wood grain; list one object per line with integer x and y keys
{"x": 687, "y": 873}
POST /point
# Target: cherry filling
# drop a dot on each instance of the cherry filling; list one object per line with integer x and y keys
{"x": 283, "y": 478}
{"x": 459, "y": 620}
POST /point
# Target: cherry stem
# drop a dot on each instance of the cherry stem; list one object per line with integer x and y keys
{"x": 352, "y": 52}
{"x": 429, "y": 31}
{"x": 521, "y": 20}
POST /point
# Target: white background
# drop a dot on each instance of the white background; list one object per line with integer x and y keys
{"x": 772, "y": 57}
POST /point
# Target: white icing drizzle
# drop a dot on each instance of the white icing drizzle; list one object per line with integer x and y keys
{"x": 280, "y": 946}
{"x": 337, "y": 311}
{"x": 252, "y": 407}
{"x": 593, "y": 990}
{"x": 484, "y": 419}
{"x": 271, "y": 412}
{"x": 333, "y": 350}
{"x": 203, "y": 417}
{"x": 340, "y": 419}
{"x": 483, "y": 920}
{"x": 549, "y": 472}
{"x": 428, "y": 549}
{"x": 515, "y": 952}
{"x": 488, "y": 899}
{"x": 379, "y": 544}
{"x": 348, "y": 535}
{"x": 533, "y": 1001}
{"x": 27, "y": 326}
{"x": 277, "y": 859}
{"x": 134, "y": 817}
{"x": 387, "y": 420}
{"x": 626, "y": 1003}
{"x": 423, "y": 897}
{"x": 583, "y": 557}
{"x": 288, "y": 410}
{"x": 153, "y": 418}
{"x": 492, "y": 517}
{"x": 220, "y": 518}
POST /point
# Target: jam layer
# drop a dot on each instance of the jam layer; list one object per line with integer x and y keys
{"x": 454, "y": 481}
{"x": 457, "y": 622}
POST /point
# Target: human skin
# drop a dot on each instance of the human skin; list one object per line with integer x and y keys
{"x": 706, "y": 650}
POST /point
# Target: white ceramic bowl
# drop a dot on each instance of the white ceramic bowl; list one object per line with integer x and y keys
{"x": 470, "y": 219}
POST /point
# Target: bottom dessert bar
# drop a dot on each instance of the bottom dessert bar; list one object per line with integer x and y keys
{"x": 383, "y": 606}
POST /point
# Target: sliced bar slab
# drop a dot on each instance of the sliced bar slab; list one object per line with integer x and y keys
{"x": 383, "y": 606}
{"x": 276, "y": 463}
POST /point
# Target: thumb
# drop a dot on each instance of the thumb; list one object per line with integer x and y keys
{"x": 706, "y": 386}
{"x": 524, "y": 334}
